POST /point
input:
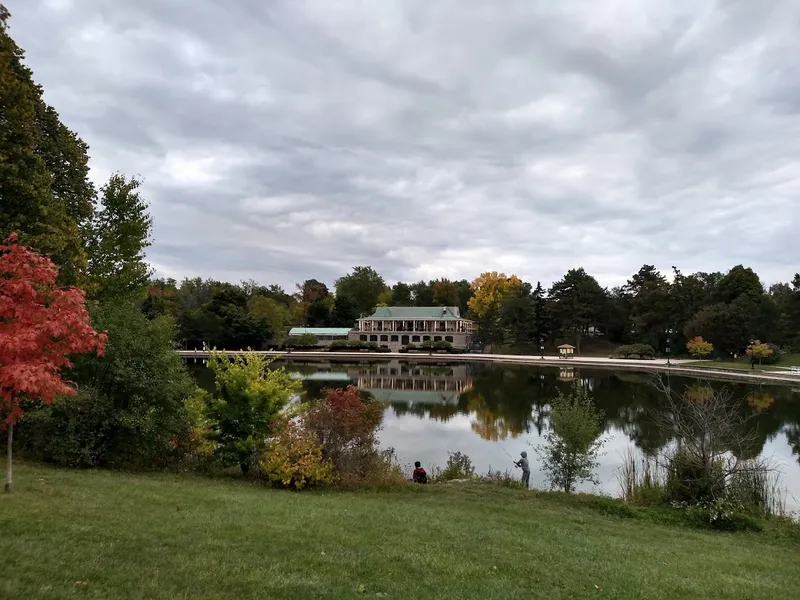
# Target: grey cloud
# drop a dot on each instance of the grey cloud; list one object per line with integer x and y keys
{"x": 288, "y": 140}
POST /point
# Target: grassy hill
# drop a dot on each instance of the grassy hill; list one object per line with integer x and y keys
{"x": 95, "y": 534}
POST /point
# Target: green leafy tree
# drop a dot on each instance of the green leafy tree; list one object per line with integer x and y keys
{"x": 245, "y": 406}
{"x": 44, "y": 188}
{"x": 648, "y": 296}
{"x": 364, "y": 285}
{"x": 517, "y": 316}
{"x": 572, "y": 445}
{"x": 401, "y": 294}
{"x": 445, "y": 293}
{"x": 422, "y": 294}
{"x": 725, "y": 326}
{"x": 276, "y": 315}
{"x": 539, "y": 330}
{"x": 739, "y": 281}
{"x": 345, "y": 311}
{"x": 311, "y": 291}
{"x": 130, "y": 410}
{"x": 318, "y": 313}
{"x": 118, "y": 235}
{"x": 576, "y": 302}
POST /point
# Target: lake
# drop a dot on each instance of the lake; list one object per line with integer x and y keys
{"x": 491, "y": 411}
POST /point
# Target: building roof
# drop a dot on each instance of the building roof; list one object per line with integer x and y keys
{"x": 321, "y": 376}
{"x": 566, "y": 347}
{"x": 416, "y": 312}
{"x": 319, "y": 330}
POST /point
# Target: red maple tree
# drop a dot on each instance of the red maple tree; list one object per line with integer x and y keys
{"x": 41, "y": 325}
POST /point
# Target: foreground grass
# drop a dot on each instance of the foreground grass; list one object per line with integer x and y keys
{"x": 67, "y": 534}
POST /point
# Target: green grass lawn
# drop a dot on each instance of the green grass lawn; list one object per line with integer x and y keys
{"x": 743, "y": 364}
{"x": 68, "y": 534}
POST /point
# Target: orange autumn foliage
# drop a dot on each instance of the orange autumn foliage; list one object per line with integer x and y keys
{"x": 41, "y": 325}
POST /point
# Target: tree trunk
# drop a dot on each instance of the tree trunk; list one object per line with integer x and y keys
{"x": 9, "y": 485}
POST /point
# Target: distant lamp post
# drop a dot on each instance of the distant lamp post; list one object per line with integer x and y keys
{"x": 541, "y": 349}
{"x": 669, "y": 333}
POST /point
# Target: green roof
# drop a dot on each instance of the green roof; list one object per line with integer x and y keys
{"x": 321, "y": 376}
{"x": 416, "y": 312}
{"x": 319, "y": 330}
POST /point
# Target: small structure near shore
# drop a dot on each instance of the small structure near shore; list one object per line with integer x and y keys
{"x": 566, "y": 351}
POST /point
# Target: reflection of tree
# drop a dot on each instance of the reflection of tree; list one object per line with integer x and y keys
{"x": 437, "y": 412}
{"x": 487, "y": 424}
{"x": 506, "y": 401}
{"x": 760, "y": 401}
{"x": 699, "y": 393}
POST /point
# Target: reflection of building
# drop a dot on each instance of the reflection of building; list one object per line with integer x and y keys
{"x": 398, "y": 382}
{"x": 413, "y": 383}
{"x": 566, "y": 373}
{"x": 324, "y": 335}
{"x": 395, "y": 327}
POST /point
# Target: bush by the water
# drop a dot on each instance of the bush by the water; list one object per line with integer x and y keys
{"x": 640, "y": 351}
{"x": 245, "y": 406}
{"x": 459, "y": 466}
{"x": 572, "y": 445}
{"x": 345, "y": 425}
{"x": 294, "y": 458}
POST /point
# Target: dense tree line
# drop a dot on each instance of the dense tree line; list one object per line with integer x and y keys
{"x": 730, "y": 310}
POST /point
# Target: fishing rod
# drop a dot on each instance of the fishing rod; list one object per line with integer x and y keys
{"x": 507, "y": 454}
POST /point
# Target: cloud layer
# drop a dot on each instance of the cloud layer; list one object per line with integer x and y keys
{"x": 291, "y": 139}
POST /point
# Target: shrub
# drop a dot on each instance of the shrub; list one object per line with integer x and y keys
{"x": 386, "y": 473}
{"x": 690, "y": 481}
{"x": 247, "y": 401}
{"x": 503, "y": 479}
{"x": 345, "y": 345}
{"x": 641, "y": 351}
{"x": 307, "y": 340}
{"x": 572, "y": 444}
{"x": 200, "y": 443}
{"x": 346, "y": 426}
{"x": 294, "y": 458}
{"x": 459, "y": 466}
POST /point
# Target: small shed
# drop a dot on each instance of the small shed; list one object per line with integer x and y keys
{"x": 566, "y": 351}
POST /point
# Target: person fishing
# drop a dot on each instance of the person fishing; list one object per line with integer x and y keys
{"x": 522, "y": 463}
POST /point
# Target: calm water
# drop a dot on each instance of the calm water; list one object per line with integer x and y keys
{"x": 491, "y": 411}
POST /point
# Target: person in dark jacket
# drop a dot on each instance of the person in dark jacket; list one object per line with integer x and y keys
{"x": 419, "y": 475}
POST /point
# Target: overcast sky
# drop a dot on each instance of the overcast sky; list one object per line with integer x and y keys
{"x": 287, "y": 139}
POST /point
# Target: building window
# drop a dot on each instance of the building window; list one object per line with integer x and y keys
{"x": 384, "y": 338}
{"x": 395, "y": 338}
{"x": 363, "y": 338}
{"x": 415, "y": 339}
{"x": 448, "y": 338}
{"x": 426, "y": 338}
{"x": 373, "y": 338}
{"x": 437, "y": 338}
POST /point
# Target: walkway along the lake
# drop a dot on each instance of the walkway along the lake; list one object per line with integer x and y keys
{"x": 657, "y": 365}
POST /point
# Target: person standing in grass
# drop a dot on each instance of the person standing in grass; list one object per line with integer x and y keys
{"x": 525, "y": 466}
